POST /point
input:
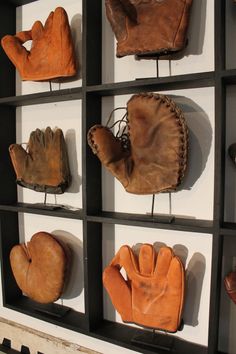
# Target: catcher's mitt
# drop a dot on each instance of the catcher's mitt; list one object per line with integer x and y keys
{"x": 40, "y": 267}
{"x": 153, "y": 294}
{"x": 44, "y": 166}
{"x": 149, "y": 27}
{"x": 230, "y": 285}
{"x": 52, "y": 53}
{"x": 153, "y": 156}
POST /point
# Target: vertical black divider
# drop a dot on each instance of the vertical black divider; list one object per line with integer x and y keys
{"x": 93, "y": 275}
{"x": 92, "y": 200}
{"x": 8, "y": 26}
{"x": 7, "y": 177}
{"x": 92, "y": 37}
{"x": 219, "y": 175}
{"x": 7, "y": 114}
{"x": 9, "y": 236}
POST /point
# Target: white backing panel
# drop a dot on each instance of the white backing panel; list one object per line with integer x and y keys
{"x": 227, "y": 339}
{"x": 67, "y": 116}
{"x": 69, "y": 232}
{"x": 198, "y": 56}
{"x": 194, "y": 250}
{"x": 39, "y": 10}
{"x": 198, "y": 185}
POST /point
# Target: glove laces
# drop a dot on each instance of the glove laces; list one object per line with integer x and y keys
{"x": 122, "y": 132}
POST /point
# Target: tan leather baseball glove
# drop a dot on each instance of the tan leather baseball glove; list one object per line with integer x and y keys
{"x": 40, "y": 267}
{"x": 149, "y": 27}
{"x": 51, "y": 55}
{"x": 44, "y": 166}
{"x": 152, "y": 156}
{"x": 153, "y": 294}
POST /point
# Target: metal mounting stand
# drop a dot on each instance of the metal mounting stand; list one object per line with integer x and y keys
{"x": 162, "y": 218}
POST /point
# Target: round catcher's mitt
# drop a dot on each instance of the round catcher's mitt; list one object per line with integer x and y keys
{"x": 152, "y": 156}
{"x": 44, "y": 166}
{"x": 153, "y": 294}
{"x": 40, "y": 267}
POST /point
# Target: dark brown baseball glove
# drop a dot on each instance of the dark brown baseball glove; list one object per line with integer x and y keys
{"x": 40, "y": 267}
{"x": 44, "y": 166}
{"x": 153, "y": 294}
{"x": 152, "y": 156}
{"x": 52, "y": 53}
{"x": 230, "y": 285}
{"x": 149, "y": 27}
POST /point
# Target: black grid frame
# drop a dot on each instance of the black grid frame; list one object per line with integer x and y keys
{"x": 92, "y": 322}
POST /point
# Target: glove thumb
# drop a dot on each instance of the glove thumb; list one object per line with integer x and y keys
{"x": 110, "y": 152}
{"x": 119, "y": 292}
{"x": 19, "y": 255}
{"x": 18, "y": 157}
{"x": 14, "y": 49}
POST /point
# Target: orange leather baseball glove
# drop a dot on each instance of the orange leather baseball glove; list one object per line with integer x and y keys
{"x": 153, "y": 294}
{"x": 151, "y": 156}
{"x": 52, "y": 53}
{"x": 44, "y": 166}
{"x": 40, "y": 267}
{"x": 148, "y": 27}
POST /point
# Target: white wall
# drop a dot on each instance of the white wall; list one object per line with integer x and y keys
{"x": 194, "y": 199}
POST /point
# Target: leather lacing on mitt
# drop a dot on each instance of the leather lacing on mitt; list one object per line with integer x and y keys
{"x": 149, "y": 152}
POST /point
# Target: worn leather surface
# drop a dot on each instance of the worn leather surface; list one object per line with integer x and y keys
{"x": 153, "y": 294}
{"x": 52, "y": 53}
{"x": 157, "y": 158}
{"x": 149, "y": 26}
{"x": 230, "y": 285}
{"x": 40, "y": 267}
{"x": 44, "y": 166}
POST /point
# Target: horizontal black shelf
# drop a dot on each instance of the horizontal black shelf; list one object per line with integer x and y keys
{"x": 228, "y": 229}
{"x": 122, "y": 335}
{"x": 229, "y": 76}
{"x": 177, "y": 82}
{"x": 158, "y": 221}
{"x": 43, "y": 97}
{"x": 42, "y": 210}
{"x": 120, "y": 88}
{"x": 18, "y": 2}
{"x": 71, "y": 319}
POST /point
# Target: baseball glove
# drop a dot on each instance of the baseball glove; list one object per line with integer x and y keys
{"x": 40, "y": 267}
{"x": 52, "y": 53}
{"x": 152, "y": 156}
{"x": 230, "y": 285}
{"x": 153, "y": 294}
{"x": 149, "y": 27}
{"x": 44, "y": 167}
